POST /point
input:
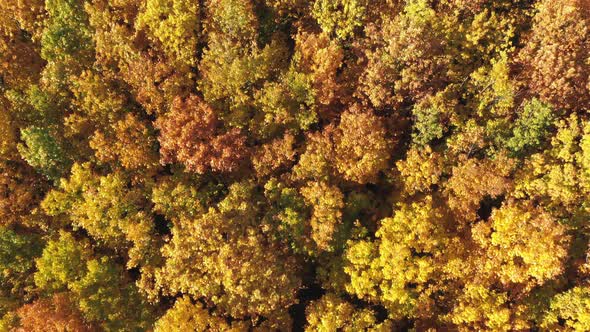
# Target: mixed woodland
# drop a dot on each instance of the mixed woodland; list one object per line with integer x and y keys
{"x": 290, "y": 165}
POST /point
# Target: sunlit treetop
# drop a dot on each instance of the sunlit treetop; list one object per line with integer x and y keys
{"x": 289, "y": 165}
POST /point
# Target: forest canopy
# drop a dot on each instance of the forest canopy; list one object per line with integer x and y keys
{"x": 293, "y": 165}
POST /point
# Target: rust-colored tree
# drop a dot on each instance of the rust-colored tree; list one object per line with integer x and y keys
{"x": 192, "y": 134}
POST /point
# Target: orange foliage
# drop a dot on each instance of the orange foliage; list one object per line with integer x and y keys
{"x": 190, "y": 134}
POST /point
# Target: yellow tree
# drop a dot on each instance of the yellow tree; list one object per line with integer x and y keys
{"x": 108, "y": 208}
{"x": 340, "y": 18}
{"x": 361, "y": 146}
{"x": 331, "y": 313}
{"x": 522, "y": 246}
{"x": 401, "y": 267}
{"x": 186, "y": 316}
{"x": 225, "y": 257}
{"x": 481, "y": 308}
{"x": 421, "y": 169}
{"x": 559, "y": 176}
{"x": 327, "y": 203}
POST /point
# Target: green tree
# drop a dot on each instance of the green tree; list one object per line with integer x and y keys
{"x": 66, "y": 43}
{"x": 290, "y": 215}
{"x": 184, "y": 195}
{"x": 531, "y": 127}
{"x": 108, "y": 209}
{"x": 101, "y": 291}
{"x": 63, "y": 262}
{"x": 44, "y": 152}
{"x": 17, "y": 263}
{"x": 569, "y": 309}
{"x": 558, "y": 176}
{"x": 107, "y": 298}
{"x": 178, "y": 33}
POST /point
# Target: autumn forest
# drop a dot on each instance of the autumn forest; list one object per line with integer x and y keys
{"x": 294, "y": 165}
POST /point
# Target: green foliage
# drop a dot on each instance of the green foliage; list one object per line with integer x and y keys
{"x": 570, "y": 309}
{"x": 97, "y": 284}
{"x": 43, "y": 152}
{"x": 531, "y": 128}
{"x": 427, "y": 123}
{"x": 9, "y": 321}
{"x": 179, "y": 31}
{"x": 231, "y": 72}
{"x": 288, "y": 104}
{"x": 63, "y": 262}
{"x": 66, "y": 42}
{"x": 67, "y": 33}
{"x": 181, "y": 195}
{"x": 107, "y": 208}
{"x": 559, "y": 174}
{"x": 289, "y": 210}
{"x": 17, "y": 262}
{"x": 234, "y": 19}
{"x": 105, "y": 297}
{"x": 493, "y": 89}
{"x": 35, "y": 106}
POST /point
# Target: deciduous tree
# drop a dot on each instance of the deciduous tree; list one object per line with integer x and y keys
{"x": 556, "y": 54}
{"x": 192, "y": 135}
{"x": 362, "y": 149}
{"x": 226, "y": 257}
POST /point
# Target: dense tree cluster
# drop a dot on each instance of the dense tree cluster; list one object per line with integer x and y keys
{"x": 279, "y": 165}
